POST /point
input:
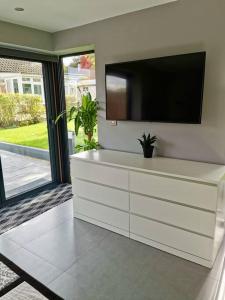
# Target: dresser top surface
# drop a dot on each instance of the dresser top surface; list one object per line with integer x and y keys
{"x": 192, "y": 170}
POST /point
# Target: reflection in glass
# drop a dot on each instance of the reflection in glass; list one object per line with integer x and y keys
{"x": 117, "y": 97}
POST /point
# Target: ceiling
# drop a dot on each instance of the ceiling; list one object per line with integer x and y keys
{"x": 56, "y": 15}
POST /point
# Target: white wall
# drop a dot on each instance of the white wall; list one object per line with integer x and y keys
{"x": 24, "y": 37}
{"x": 180, "y": 27}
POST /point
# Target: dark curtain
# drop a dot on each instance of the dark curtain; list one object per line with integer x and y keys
{"x": 55, "y": 95}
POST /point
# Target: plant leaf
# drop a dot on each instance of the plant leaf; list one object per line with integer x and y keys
{"x": 73, "y": 109}
{"x": 60, "y": 116}
{"x": 77, "y": 123}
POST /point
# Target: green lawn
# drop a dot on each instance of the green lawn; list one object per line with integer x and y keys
{"x": 33, "y": 135}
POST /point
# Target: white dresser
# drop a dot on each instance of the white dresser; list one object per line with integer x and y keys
{"x": 174, "y": 205}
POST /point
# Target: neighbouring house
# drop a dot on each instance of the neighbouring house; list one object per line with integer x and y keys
{"x": 25, "y": 77}
{"x": 79, "y": 80}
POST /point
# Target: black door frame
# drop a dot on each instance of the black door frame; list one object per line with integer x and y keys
{"x": 61, "y": 106}
{"x": 57, "y": 133}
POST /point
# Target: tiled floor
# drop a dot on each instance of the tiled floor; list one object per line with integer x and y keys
{"x": 81, "y": 261}
{"x": 22, "y": 173}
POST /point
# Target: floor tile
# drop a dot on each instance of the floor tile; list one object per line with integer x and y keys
{"x": 37, "y": 226}
{"x": 117, "y": 255}
{"x": 35, "y": 266}
{"x": 78, "y": 260}
{"x": 120, "y": 268}
{"x": 68, "y": 288}
{"x": 7, "y": 246}
{"x": 177, "y": 279}
{"x": 63, "y": 245}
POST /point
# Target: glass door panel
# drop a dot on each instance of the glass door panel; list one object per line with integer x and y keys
{"x": 24, "y": 143}
{"x": 79, "y": 78}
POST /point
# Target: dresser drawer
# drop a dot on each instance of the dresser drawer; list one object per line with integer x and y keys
{"x": 102, "y": 213}
{"x": 177, "y": 238}
{"x": 187, "y": 192}
{"x": 100, "y": 174}
{"x": 185, "y": 217}
{"x": 103, "y": 194}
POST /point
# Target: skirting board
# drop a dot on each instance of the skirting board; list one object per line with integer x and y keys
{"x": 101, "y": 224}
{"x": 192, "y": 258}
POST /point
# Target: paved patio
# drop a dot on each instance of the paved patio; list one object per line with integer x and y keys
{"x": 22, "y": 173}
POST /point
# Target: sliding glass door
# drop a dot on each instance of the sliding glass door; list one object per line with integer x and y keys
{"x": 26, "y": 163}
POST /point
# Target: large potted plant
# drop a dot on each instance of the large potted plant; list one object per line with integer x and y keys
{"x": 147, "y": 144}
{"x": 84, "y": 115}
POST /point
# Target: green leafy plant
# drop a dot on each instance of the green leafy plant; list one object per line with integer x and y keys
{"x": 84, "y": 115}
{"x": 147, "y": 144}
{"x": 88, "y": 145}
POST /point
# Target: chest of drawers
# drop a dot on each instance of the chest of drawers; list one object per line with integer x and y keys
{"x": 174, "y": 205}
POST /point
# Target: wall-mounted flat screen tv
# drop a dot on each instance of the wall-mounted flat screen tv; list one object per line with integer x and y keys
{"x": 167, "y": 89}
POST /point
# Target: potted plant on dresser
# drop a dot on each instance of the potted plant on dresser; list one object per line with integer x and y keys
{"x": 147, "y": 143}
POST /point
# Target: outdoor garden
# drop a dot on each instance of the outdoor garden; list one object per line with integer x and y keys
{"x": 23, "y": 116}
{"x": 23, "y": 121}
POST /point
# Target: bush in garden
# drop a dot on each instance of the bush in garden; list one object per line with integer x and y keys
{"x": 19, "y": 110}
{"x": 7, "y": 110}
{"x": 30, "y": 109}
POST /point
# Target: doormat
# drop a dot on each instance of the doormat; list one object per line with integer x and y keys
{"x": 14, "y": 215}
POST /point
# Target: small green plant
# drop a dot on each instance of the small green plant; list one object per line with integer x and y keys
{"x": 147, "y": 144}
{"x": 84, "y": 115}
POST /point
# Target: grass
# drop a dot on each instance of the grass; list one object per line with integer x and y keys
{"x": 35, "y": 135}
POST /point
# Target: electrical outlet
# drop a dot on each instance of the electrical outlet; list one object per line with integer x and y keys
{"x": 113, "y": 123}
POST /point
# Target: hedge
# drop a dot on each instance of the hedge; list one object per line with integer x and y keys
{"x": 19, "y": 110}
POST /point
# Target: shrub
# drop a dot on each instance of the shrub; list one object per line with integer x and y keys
{"x": 7, "y": 110}
{"x": 19, "y": 110}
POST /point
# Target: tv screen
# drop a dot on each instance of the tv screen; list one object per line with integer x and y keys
{"x": 167, "y": 89}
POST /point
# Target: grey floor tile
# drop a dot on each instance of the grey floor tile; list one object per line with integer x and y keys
{"x": 63, "y": 245}
{"x": 124, "y": 269}
{"x": 35, "y": 266}
{"x": 68, "y": 288}
{"x": 178, "y": 279}
{"x": 115, "y": 255}
{"x": 111, "y": 286}
{"x": 7, "y": 246}
{"x": 179, "y": 272}
{"x": 39, "y": 225}
{"x": 148, "y": 288}
{"x": 81, "y": 261}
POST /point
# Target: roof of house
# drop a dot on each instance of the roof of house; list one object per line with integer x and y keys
{"x": 20, "y": 66}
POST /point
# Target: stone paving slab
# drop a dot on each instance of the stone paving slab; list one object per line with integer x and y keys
{"x": 22, "y": 173}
